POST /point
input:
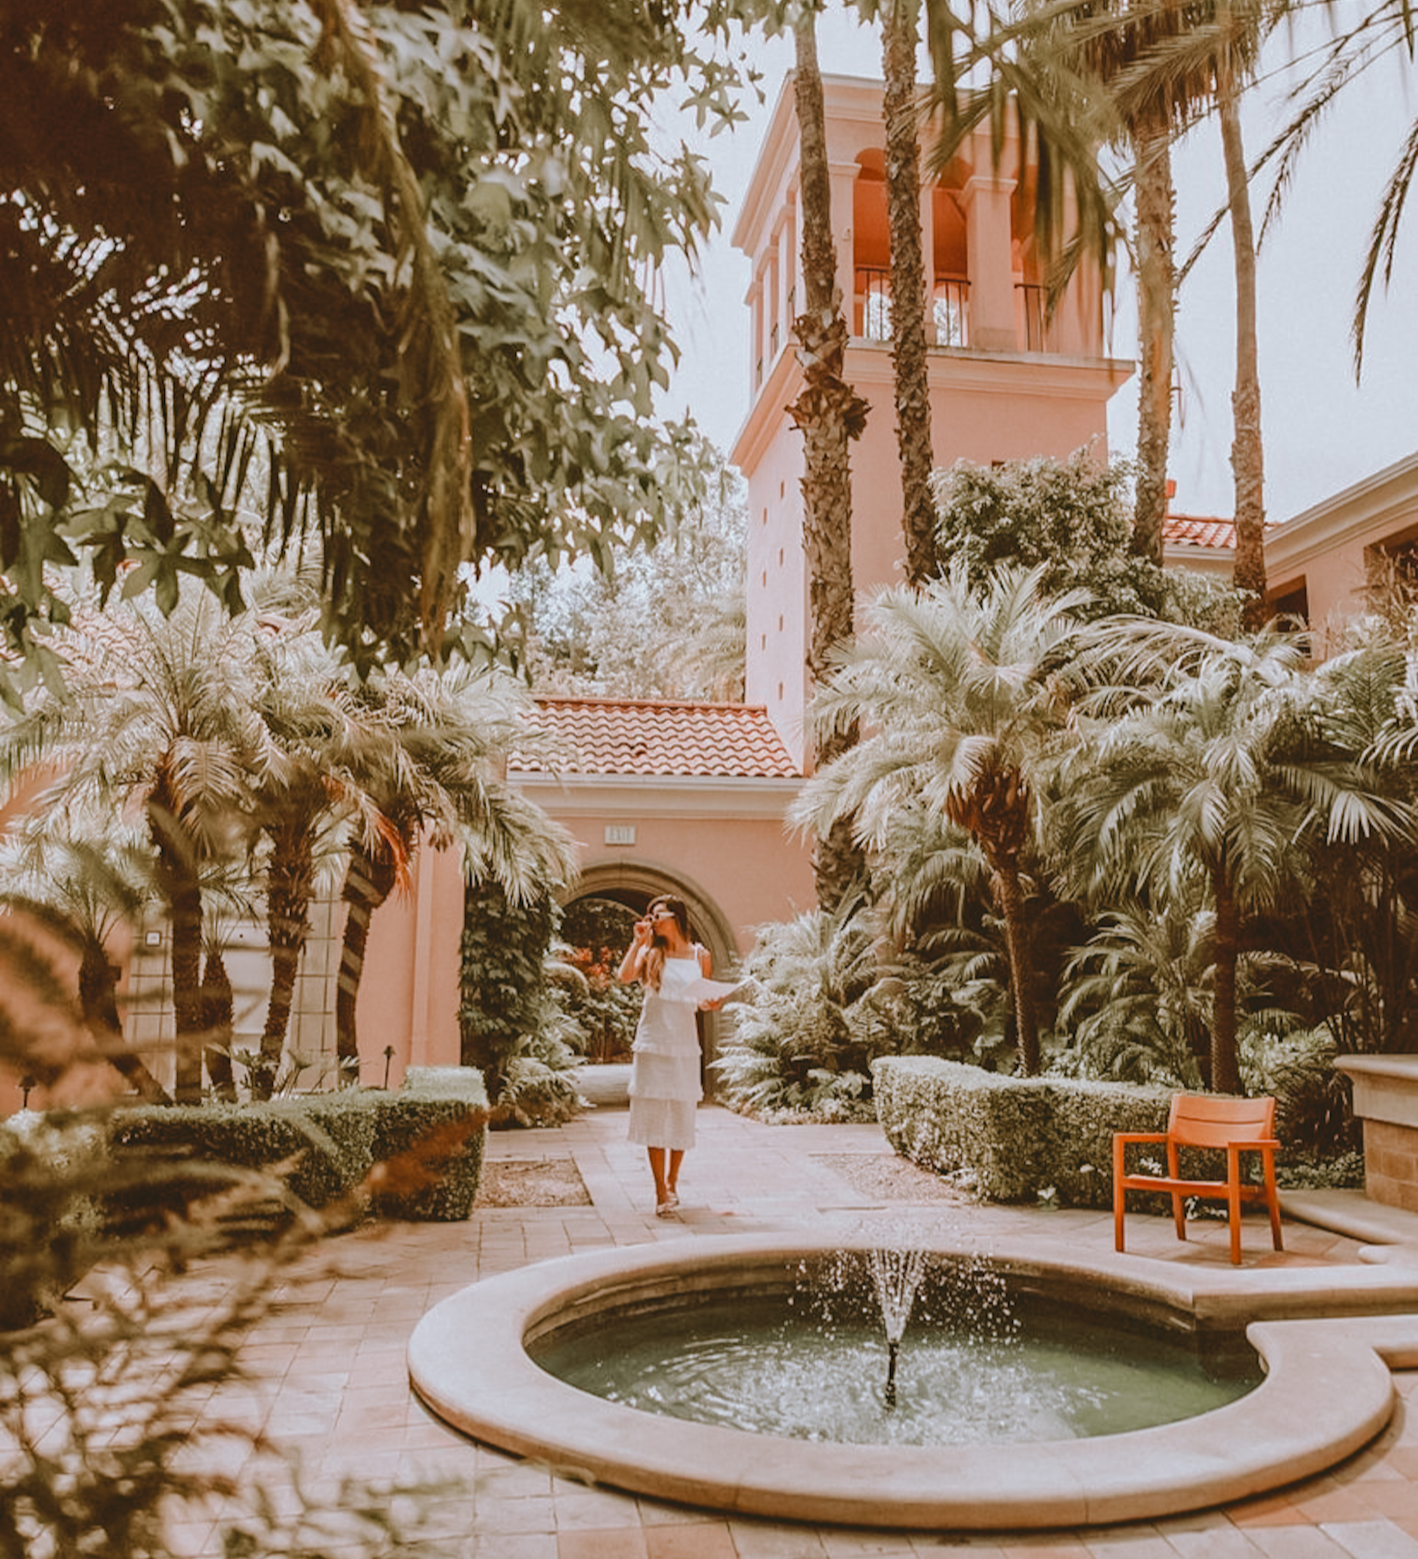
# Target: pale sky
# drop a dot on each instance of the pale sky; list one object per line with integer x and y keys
{"x": 1321, "y": 431}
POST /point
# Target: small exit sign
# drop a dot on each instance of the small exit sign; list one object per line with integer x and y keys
{"x": 620, "y": 833}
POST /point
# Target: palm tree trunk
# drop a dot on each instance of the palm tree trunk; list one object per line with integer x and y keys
{"x": 1225, "y": 1069}
{"x": 829, "y": 414}
{"x": 179, "y": 885}
{"x": 908, "y": 288}
{"x": 1156, "y": 305}
{"x": 1010, "y": 892}
{"x": 288, "y": 888}
{"x": 98, "y": 1001}
{"x": 1247, "y": 450}
{"x": 369, "y": 881}
{"x": 219, "y": 1019}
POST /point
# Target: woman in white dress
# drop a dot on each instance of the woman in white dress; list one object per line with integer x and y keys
{"x": 664, "y": 1080}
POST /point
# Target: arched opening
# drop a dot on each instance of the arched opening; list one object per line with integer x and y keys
{"x": 633, "y": 886}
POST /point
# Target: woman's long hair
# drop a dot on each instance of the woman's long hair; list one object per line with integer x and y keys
{"x": 654, "y": 965}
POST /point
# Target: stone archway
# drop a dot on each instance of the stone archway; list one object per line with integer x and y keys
{"x": 635, "y": 884}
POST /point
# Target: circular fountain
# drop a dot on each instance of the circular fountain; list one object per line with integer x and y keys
{"x": 1326, "y": 1389}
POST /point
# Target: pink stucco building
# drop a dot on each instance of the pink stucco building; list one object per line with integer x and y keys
{"x": 1006, "y": 382}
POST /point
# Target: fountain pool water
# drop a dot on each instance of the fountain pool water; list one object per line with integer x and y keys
{"x": 1326, "y": 1390}
{"x": 977, "y": 1365}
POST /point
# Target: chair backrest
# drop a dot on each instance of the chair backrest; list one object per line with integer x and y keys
{"x": 1204, "y": 1120}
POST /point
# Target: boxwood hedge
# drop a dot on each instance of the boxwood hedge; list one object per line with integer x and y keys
{"x": 417, "y": 1151}
{"x": 1011, "y": 1139}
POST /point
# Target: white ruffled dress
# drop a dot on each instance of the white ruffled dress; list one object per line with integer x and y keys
{"x": 664, "y": 1080}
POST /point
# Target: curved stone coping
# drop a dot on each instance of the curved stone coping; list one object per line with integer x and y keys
{"x": 1327, "y": 1392}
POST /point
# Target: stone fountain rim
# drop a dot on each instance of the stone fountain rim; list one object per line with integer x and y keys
{"x": 1327, "y": 1392}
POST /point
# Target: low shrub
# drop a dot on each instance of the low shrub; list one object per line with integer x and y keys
{"x": 429, "y": 1146}
{"x": 1011, "y": 1139}
{"x": 326, "y": 1147}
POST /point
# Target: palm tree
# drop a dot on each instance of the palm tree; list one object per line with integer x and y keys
{"x": 157, "y": 718}
{"x": 1210, "y": 771}
{"x": 829, "y": 413}
{"x": 901, "y": 106}
{"x": 425, "y": 756}
{"x": 956, "y": 685}
{"x": 299, "y": 792}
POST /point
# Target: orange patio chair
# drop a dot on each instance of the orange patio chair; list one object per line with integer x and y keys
{"x": 1202, "y": 1120}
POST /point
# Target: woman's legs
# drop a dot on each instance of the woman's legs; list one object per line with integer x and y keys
{"x": 664, "y": 1166}
{"x": 657, "y": 1168}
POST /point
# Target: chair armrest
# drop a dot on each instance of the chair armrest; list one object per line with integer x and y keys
{"x": 1138, "y": 1136}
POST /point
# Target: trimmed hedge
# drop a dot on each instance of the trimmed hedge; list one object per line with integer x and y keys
{"x": 430, "y": 1144}
{"x": 333, "y": 1142}
{"x": 1011, "y": 1139}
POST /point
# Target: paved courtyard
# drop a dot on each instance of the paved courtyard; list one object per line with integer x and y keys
{"x": 329, "y": 1379}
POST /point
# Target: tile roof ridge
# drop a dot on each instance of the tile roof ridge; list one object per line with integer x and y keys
{"x": 611, "y": 700}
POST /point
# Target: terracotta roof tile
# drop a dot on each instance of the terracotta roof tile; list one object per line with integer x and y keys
{"x": 1189, "y": 530}
{"x": 655, "y": 737}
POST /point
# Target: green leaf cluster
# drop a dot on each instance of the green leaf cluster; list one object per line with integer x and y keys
{"x": 378, "y": 273}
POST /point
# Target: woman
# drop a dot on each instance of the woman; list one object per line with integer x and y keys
{"x": 664, "y": 1078}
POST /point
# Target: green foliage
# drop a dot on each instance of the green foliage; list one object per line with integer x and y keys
{"x": 384, "y": 273}
{"x": 597, "y": 932}
{"x": 669, "y": 622}
{"x": 792, "y": 1031}
{"x": 429, "y": 1144}
{"x": 414, "y": 1154}
{"x": 107, "y": 1409}
{"x": 1314, "y": 1108}
{"x": 1011, "y": 1139}
{"x": 1072, "y": 519}
{"x": 321, "y": 1147}
{"x": 515, "y": 1028}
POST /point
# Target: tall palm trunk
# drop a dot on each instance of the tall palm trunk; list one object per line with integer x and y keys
{"x": 1247, "y": 451}
{"x": 289, "y": 880}
{"x": 1156, "y": 307}
{"x": 829, "y": 414}
{"x": 179, "y": 885}
{"x": 908, "y": 288}
{"x": 1009, "y": 890}
{"x": 369, "y": 880}
{"x": 1225, "y": 1070}
{"x": 219, "y": 1020}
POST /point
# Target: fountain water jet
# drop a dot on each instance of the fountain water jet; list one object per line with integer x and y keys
{"x": 897, "y": 1275}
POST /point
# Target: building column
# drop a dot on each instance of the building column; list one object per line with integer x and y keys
{"x": 789, "y": 296}
{"x": 844, "y": 184}
{"x": 928, "y": 253}
{"x": 754, "y": 299}
{"x": 987, "y": 238}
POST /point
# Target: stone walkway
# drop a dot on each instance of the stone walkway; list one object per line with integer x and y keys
{"x": 329, "y": 1377}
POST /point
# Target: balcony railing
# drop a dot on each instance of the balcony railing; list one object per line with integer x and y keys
{"x": 949, "y": 317}
{"x": 950, "y": 314}
{"x": 1031, "y": 317}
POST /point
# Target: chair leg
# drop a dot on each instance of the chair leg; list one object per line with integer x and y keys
{"x": 1119, "y": 1194}
{"x": 1272, "y": 1202}
{"x": 1233, "y": 1203}
{"x": 1179, "y": 1211}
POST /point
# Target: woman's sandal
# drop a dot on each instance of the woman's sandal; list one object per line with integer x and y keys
{"x": 665, "y": 1208}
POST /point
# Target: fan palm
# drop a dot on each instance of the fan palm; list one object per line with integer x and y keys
{"x": 426, "y": 754}
{"x": 955, "y": 684}
{"x": 1213, "y": 768}
{"x": 158, "y": 720}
